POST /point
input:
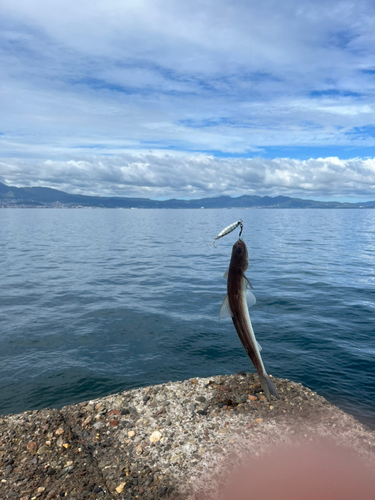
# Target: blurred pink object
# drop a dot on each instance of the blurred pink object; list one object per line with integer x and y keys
{"x": 307, "y": 471}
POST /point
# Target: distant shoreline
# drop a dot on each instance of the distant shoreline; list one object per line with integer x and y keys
{"x": 181, "y": 208}
{"x": 41, "y": 197}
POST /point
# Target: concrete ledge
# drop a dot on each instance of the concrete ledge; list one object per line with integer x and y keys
{"x": 162, "y": 441}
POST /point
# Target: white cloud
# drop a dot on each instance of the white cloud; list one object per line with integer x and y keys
{"x": 224, "y": 77}
{"x": 184, "y": 175}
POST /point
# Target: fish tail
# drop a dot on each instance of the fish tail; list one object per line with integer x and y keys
{"x": 267, "y": 386}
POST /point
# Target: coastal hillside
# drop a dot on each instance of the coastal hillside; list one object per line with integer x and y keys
{"x": 33, "y": 197}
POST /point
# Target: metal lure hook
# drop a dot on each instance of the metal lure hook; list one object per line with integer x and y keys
{"x": 228, "y": 230}
{"x": 241, "y": 226}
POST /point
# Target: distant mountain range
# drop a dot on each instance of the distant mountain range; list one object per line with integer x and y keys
{"x": 40, "y": 197}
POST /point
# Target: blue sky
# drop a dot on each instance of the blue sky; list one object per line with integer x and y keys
{"x": 166, "y": 98}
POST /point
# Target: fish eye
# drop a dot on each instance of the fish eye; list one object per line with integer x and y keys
{"x": 239, "y": 250}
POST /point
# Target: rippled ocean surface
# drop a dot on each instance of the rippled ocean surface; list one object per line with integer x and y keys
{"x": 97, "y": 301}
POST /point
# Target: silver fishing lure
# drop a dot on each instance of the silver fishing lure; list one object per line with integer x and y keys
{"x": 228, "y": 230}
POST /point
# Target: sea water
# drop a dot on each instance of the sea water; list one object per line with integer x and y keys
{"x": 93, "y": 302}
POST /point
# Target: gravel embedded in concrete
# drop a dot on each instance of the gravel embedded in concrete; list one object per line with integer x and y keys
{"x": 161, "y": 441}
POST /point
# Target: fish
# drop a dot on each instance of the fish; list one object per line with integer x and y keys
{"x": 236, "y": 304}
{"x": 228, "y": 230}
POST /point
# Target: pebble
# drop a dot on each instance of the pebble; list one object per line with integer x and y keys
{"x": 252, "y": 398}
{"x": 114, "y": 423}
{"x": 65, "y": 470}
{"x": 43, "y": 449}
{"x": 131, "y": 434}
{"x": 120, "y": 487}
{"x": 31, "y": 446}
{"x": 155, "y": 436}
{"x": 163, "y": 491}
{"x": 225, "y": 388}
{"x": 202, "y": 412}
{"x": 86, "y": 421}
{"x": 41, "y": 489}
{"x": 58, "y": 432}
{"x": 8, "y": 470}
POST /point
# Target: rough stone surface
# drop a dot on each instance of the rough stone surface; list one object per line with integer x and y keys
{"x": 202, "y": 424}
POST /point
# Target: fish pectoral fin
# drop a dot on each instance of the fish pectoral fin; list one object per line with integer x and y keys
{"x": 250, "y": 298}
{"x": 225, "y": 275}
{"x": 248, "y": 282}
{"x": 259, "y": 346}
{"x": 225, "y": 311}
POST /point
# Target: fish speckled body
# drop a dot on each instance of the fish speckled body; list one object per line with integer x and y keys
{"x": 235, "y": 305}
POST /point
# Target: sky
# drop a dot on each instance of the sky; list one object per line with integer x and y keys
{"x": 163, "y": 98}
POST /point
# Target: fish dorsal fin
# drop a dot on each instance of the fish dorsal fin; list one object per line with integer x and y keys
{"x": 225, "y": 311}
{"x": 248, "y": 282}
{"x": 250, "y": 298}
{"x": 225, "y": 275}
